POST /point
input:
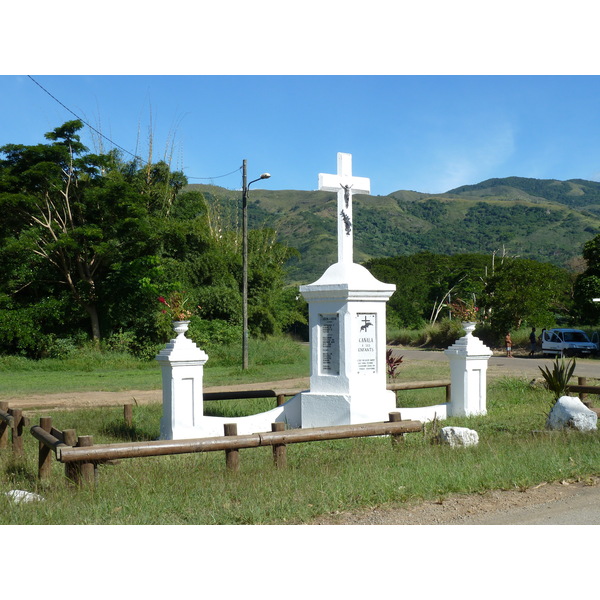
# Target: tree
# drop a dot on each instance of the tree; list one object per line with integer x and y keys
{"x": 88, "y": 242}
{"x": 425, "y": 282}
{"x": 526, "y": 291}
{"x": 76, "y": 218}
{"x": 272, "y": 306}
{"x": 587, "y": 284}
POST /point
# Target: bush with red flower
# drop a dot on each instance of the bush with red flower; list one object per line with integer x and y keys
{"x": 463, "y": 310}
{"x": 175, "y": 306}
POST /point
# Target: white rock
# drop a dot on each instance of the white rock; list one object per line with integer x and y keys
{"x": 458, "y": 436}
{"x": 570, "y": 411}
{"x": 18, "y": 496}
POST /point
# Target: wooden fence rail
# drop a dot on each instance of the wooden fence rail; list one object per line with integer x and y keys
{"x": 583, "y": 390}
{"x": 81, "y": 459}
{"x": 420, "y": 385}
{"x": 78, "y": 467}
{"x": 103, "y": 452}
{"x": 281, "y": 395}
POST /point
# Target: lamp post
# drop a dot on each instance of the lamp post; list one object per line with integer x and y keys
{"x": 245, "y": 189}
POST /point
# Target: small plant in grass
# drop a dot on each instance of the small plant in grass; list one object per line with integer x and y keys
{"x": 392, "y": 363}
{"x": 434, "y": 431}
{"x": 557, "y": 379}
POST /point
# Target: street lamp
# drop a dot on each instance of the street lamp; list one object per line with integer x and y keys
{"x": 245, "y": 189}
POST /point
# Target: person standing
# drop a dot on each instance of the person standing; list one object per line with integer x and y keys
{"x": 532, "y": 340}
{"x": 508, "y": 344}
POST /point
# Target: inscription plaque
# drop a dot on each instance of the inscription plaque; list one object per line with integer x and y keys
{"x": 329, "y": 334}
{"x": 366, "y": 335}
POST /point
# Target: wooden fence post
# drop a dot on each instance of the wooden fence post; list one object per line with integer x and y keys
{"x": 232, "y": 457}
{"x": 279, "y": 450}
{"x": 17, "y": 431}
{"x": 3, "y": 427}
{"x": 87, "y": 470}
{"x": 128, "y": 414}
{"x": 280, "y": 399}
{"x": 395, "y": 417}
{"x": 45, "y": 453}
{"x": 70, "y": 439}
{"x": 582, "y": 395}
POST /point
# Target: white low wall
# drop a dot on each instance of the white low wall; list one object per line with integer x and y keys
{"x": 214, "y": 426}
{"x": 289, "y": 413}
{"x": 183, "y": 416}
{"x": 425, "y": 413}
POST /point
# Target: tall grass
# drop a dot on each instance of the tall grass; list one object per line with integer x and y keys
{"x": 437, "y": 335}
{"x": 321, "y": 477}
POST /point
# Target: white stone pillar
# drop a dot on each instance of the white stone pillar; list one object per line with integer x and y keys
{"x": 468, "y": 358}
{"x": 182, "y": 364}
{"x": 348, "y": 345}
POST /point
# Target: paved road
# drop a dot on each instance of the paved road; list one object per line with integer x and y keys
{"x": 501, "y": 365}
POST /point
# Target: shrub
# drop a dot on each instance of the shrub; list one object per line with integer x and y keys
{"x": 557, "y": 379}
{"x": 438, "y": 335}
{"x": 214, "y": 332}
{"x": 20, "y": 333}
{"x": 275, "y": 350}
{"x": 445, "y": 333}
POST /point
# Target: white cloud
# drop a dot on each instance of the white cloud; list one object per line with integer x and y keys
{"x": 474, "y": 159}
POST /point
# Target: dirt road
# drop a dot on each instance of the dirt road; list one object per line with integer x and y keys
{"x": 501, "y": 366}
{"x": 498, "y": 366}
{"x": 84, "y": 399}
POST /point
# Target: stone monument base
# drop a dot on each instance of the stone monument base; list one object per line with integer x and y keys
{"x": 322, "y": 410}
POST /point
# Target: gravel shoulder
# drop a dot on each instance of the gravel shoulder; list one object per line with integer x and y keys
{"x": 558, "y": 503}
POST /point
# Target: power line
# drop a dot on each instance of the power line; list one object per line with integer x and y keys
{"x": 82, "y": 120}
{"x": 111, "y": 141}
{"x": 218, "y": 176}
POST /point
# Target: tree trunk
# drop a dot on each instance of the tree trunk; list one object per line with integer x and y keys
{"x": 95, "y": 322}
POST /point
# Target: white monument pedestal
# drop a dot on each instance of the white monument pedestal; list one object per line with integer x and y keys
{"x": 468, "y": 358}
{"x": 182, "y": 364}
{"x": 348, "y": 345}
{"x": 348, "y": 349}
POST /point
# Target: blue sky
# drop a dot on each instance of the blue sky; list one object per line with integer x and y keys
{"x": 428, "y": 133}
{"x": 426, "y": 96}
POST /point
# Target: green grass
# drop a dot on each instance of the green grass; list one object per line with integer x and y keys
{"x": 321, "y": 477}
{"x": 112, "y": 372}
{"x": 270, "y": 360}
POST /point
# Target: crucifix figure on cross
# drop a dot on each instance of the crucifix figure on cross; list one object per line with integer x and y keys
{"x": 345, "y": 185}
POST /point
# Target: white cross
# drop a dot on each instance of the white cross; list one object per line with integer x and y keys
{"x": 345, "y": 185}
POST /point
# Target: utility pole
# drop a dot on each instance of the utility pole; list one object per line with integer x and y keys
{"x": 245, "y": 190}
{"x": 244, "y": 267}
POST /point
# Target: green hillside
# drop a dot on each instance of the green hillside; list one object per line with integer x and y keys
{"x": 546, "y": 220}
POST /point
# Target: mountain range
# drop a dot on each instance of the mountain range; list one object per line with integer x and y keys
{"x": 542, "y": 219}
